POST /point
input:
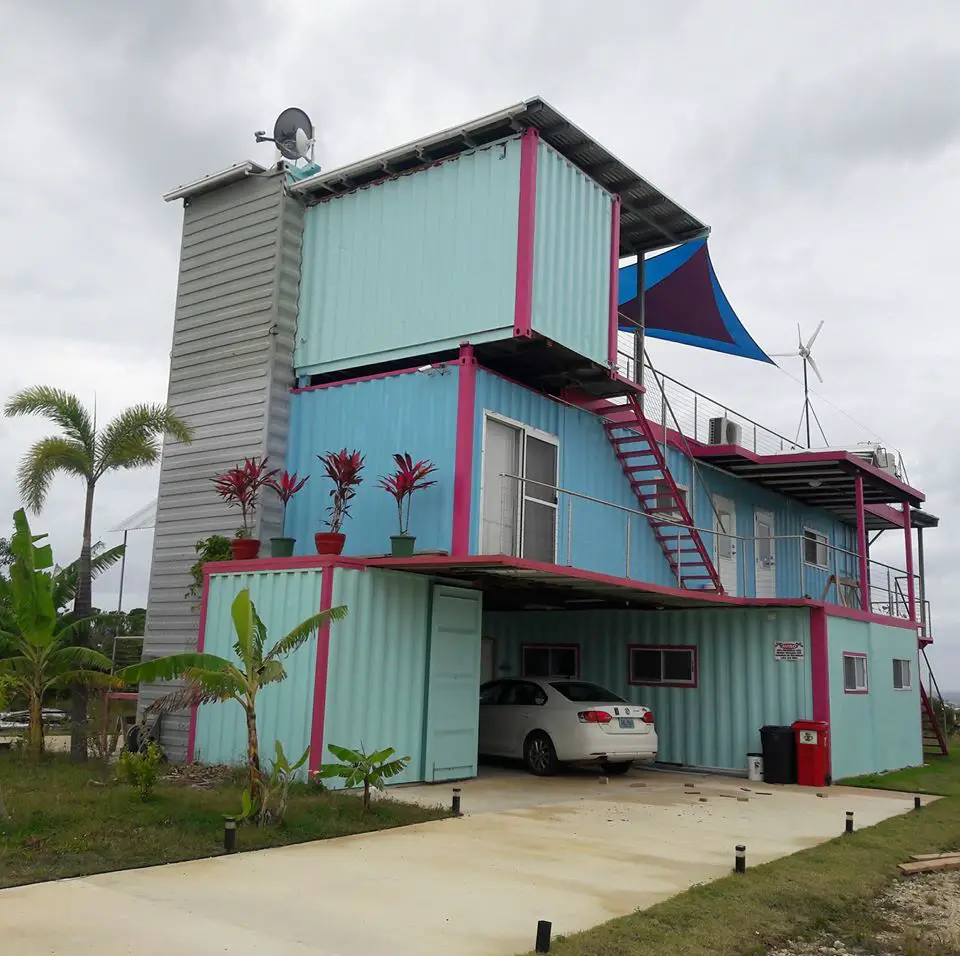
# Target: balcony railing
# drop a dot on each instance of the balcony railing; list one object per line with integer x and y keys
{"x": 578, "y": 530}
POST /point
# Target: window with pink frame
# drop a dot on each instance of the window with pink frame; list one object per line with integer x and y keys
{"x": 856, "y": 678}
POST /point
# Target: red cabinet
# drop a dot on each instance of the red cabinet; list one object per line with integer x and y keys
{"x": 813, "y": 752}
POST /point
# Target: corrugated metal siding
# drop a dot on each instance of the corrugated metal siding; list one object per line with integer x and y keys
{"x": 741, "y": 687}
{"x": 412, "y": 412}
{"x": 587, "y": 465}
{"x": 412, "y": 265}
{"x": 790, "y": 519}
{"x": 230, "y": 366}
{"x": 284, "y": 710}
{"x": 879, "y": 730}
{"x": 571, "y": 287}
{"x": 376, "y": 678}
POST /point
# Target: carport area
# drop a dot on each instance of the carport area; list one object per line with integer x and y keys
{"x": 569, "y": 849}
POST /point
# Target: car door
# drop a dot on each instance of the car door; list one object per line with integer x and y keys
{"x": 519, "y": 709}
{"x": 489, "y": 717}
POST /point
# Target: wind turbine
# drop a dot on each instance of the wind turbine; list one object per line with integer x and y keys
{"x": 804, "y": 352}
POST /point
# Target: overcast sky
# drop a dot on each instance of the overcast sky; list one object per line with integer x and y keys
{"x": 821, "y": 142}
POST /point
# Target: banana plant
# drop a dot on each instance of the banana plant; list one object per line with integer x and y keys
{"x": 357, "y": 767}
{"x": 212, "y": 678}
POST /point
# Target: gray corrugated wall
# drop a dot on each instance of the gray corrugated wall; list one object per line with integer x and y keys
{"x": 231, "y": 368}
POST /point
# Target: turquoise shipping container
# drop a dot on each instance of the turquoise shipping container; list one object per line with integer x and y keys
{"x": 572, "y": 257}
{"x": 413, "y": 412}
{"x": 741, "y": 686}
{"x": 284, "y": 710}
{"x": 412, "y": 265}
{"x": 875, "y": 725}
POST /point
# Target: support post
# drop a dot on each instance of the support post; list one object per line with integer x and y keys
{"x": 639, "y": 335}
{"x": 862, "y": 545}
{"x": 908, "y": 549}
{"x": 123, "y": 567}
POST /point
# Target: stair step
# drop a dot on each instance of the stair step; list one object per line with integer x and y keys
{"x": 633, "y": 468}
{"x": 633, "y": 439}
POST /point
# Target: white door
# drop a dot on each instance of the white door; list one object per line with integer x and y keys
{"x": 539, "y": 537}
{"x": 500, "y": 498}
{"x": 765, "y": 553}
{"x": 725, "y": 544}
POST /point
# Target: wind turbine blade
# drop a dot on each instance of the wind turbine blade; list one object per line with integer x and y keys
{"x": 799, "y": 338}
{"x": 813, "y": 338}
{"x": 813, "y": 365}
{"x": 783, "y": 355}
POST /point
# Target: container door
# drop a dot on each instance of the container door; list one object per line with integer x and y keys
{"x": 765, "y": 553}
{"x": 453, "y": 685}
{"x": 725, "y": 548}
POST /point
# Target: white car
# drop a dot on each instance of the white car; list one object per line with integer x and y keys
{"x": 547, "y": 722}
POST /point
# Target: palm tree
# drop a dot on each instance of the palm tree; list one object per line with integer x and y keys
{"x": 212, "y": 678}
{"x": 36, "y": 650}
{"x": 131, "y": 440}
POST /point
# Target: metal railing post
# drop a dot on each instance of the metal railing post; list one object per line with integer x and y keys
{"x": 679, "y": 575}
{"x": 627, "y": 562}
{"x": 695, "y": 418}
{"x": 569, "y": 532}
{"x": 800, "y": 565}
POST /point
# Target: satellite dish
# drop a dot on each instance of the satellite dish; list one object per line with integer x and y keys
{"x": 292, "y": 134}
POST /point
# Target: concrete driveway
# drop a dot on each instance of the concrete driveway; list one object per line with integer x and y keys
{"x": 570, "y": 849}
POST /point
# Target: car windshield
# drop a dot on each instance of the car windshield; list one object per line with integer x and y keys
{"x": 583, "y": 692}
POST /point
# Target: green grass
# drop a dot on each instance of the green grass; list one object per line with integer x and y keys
{"x": 832, "y": 888}
{"x": 73, "y": 820}
{"x": 940, "y": 776}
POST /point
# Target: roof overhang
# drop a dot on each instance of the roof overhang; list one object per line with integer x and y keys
{"x": 648, "y": 218}
{"x": 232, "y": 174}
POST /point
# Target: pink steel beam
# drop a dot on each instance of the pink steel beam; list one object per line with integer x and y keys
{"x": 819, "y": 664}
{"x": 523, "y": 306}
{"x": 862, "y": 545}
{"x": 463, "y": 467}
{"x": 614, "y": 285}
{"x": 320, "y": 672}
{"x": 908, "y": 549}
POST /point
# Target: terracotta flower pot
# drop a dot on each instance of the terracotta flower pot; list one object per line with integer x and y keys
{"x": 245, "y": 549}
{"x": 402, "y": 545}
{"x": 329, "y": 543}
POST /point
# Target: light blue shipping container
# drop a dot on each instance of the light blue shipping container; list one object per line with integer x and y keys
{"x": 413, "y": 265}
{"x": 572, "y": 257}
{"x": 413, "y": 412}
{"x": 285, "y": 709}
{"x": 741, "y": 686}
{"x": 879, "y": 729}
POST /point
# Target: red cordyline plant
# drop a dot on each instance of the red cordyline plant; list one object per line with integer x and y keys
{"x": 240, "y": 488}
{"x": 343, "y": 469}
{"x": 286, "y": 486}
{"x": 409, "y": 477}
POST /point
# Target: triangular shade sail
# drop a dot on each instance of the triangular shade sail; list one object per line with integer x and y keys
{"x": 684, "y": 303}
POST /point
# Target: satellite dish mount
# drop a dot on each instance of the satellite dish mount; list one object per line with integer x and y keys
{"x": 293, "y": 135}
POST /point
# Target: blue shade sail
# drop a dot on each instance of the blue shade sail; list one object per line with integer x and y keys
{"x": 684, "y": 303}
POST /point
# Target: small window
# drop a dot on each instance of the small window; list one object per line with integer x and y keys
{"x": 814, "y": 548}
{"x": 671, "y": 666}
{"x": 901, "y": 675}
{"x": 855, "y": 673}
{"x": 666, "y": 503}
{"x": 551, "y": 660}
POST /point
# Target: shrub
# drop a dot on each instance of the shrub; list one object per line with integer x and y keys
{"x": 140, "y": 770}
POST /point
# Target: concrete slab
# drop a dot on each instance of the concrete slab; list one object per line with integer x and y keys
{"x": 569, "y": 849}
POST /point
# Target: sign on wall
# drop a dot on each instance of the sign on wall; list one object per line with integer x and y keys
{"x": 788, "y": 650}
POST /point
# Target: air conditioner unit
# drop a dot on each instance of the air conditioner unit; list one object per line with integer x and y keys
{"x": 887, "y": 462}
{"x": 723, "y": 431}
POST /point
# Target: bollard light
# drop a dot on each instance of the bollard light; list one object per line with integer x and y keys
{"x": 740, "y": 860}
{"x": 849, "y": 821}
{"x": 916, "y": 803}
{"x": 544, "y": 929}
{"x": 455, "y": 805}
{"x": 230, "y": 834}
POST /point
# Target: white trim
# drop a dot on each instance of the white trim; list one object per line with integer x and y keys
{"x": 857, "y": 688}
{"x": 525, "y": 430}
{"x": 821, "y": 537}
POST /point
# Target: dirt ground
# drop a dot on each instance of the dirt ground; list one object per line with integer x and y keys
{"x": 922, "y": 916}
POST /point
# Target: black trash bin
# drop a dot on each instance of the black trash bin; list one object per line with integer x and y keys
{"x": 779, "y": 754}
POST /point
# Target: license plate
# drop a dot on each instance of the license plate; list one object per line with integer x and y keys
{"x": 626, "y": 723}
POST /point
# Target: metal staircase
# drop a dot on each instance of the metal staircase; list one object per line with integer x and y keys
{"x": 934, "y": 738}
{"x": 642, "y": 459}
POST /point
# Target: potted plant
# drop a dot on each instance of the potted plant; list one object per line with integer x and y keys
{"x": 240, "y": 488}
{"x": 343, "y": 469}
{"x": 286, "y": 486}
{"x": 409, "y": 477}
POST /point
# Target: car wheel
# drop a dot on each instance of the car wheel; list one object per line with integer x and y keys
{"x": 539, "y": 755}
{"x": 616, "y": 769}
